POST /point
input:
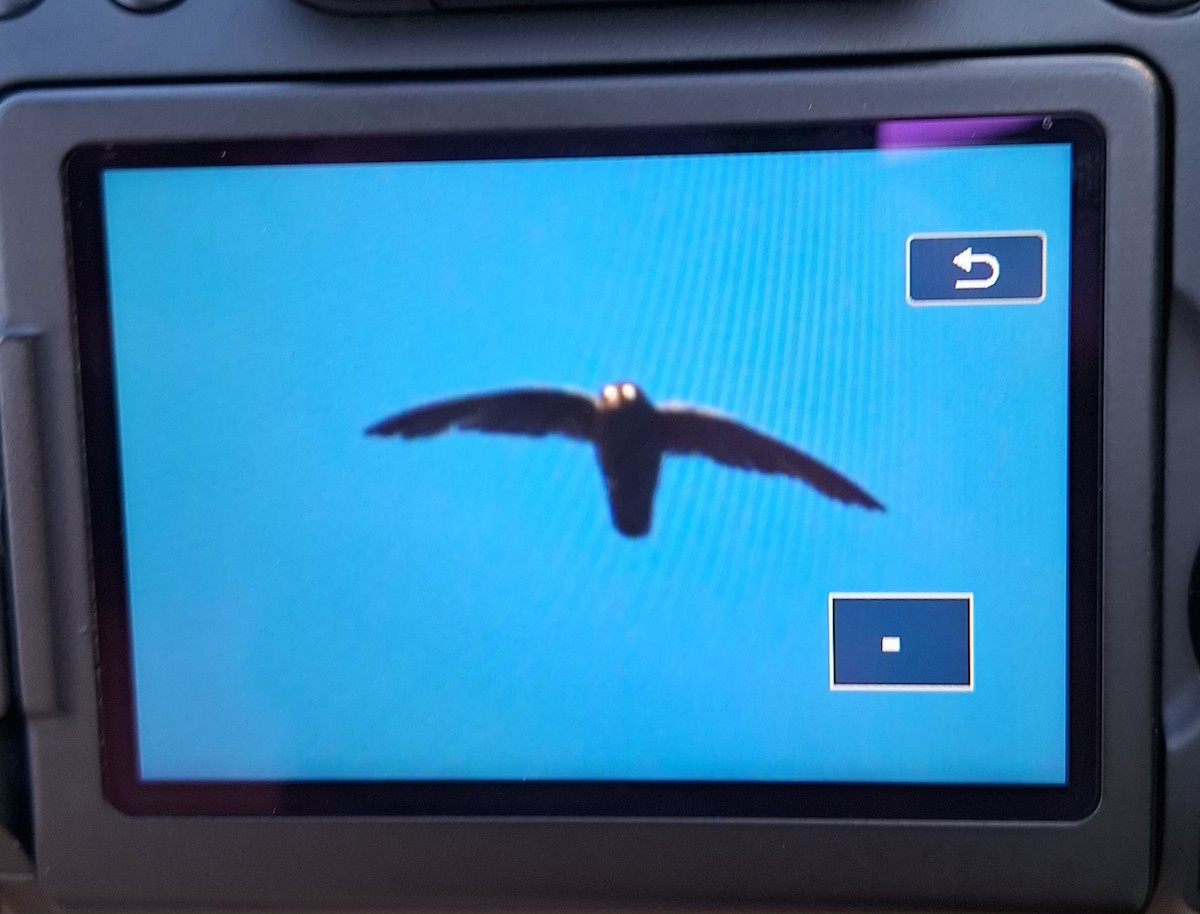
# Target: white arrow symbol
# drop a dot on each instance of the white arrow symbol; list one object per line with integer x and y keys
{"x": 965, "y": 259}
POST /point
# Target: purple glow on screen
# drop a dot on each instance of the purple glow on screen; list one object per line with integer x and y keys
{"x": 953, "y": 131}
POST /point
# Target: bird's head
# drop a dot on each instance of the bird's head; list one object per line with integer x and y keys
{"x": 621, "y": 395}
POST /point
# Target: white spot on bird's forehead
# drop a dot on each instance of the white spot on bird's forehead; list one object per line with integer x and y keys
{"x": 611, "y": 393}
{"x": 629, "y": 391}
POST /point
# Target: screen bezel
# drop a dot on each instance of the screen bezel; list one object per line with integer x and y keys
{"x": 122, "y": 784}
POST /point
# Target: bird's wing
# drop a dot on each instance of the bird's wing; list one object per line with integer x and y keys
{"x": 530, "y": 412}
{"x": 685, "y": 430}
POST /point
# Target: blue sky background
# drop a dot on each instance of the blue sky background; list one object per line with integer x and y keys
{"x": 311, "y": 603}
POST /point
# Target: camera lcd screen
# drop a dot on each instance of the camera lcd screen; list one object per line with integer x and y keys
{"x": 692, "y": 472}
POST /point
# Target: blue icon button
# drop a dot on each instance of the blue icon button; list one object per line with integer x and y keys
{"x": 901, "y": 642}
{"x": 961, "y": 269}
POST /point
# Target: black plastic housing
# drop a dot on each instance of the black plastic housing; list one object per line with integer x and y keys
{"x": 90, "y": 855}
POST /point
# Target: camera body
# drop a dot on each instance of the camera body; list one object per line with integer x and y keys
{"x": 155, "y": 88}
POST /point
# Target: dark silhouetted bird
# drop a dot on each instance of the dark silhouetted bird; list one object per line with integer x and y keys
{"x": 630, "y": 435}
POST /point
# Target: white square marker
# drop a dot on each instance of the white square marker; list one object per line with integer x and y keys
{"x": 891, "y": 644}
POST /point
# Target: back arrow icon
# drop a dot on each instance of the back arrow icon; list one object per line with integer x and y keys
{"x": 965, "y": 259}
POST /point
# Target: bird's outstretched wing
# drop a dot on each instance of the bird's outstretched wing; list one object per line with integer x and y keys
{"x": 530, "y": 412}
{"x": 684, "y": 430}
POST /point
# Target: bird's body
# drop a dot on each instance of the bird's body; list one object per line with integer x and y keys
{"x": 630, "y": 436}
{"x": 630, "y": 455}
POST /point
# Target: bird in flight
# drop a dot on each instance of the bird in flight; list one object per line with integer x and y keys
{"x": 631, "y": 436}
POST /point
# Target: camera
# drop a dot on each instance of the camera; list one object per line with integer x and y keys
{"x": 517, "y": 457}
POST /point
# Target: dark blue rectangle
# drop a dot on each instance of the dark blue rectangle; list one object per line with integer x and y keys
{"x": 1014, "y": 265}
{"x": 934, "y": 635}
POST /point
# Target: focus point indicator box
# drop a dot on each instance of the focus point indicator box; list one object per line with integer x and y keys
{"x": 902, "y": 642}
